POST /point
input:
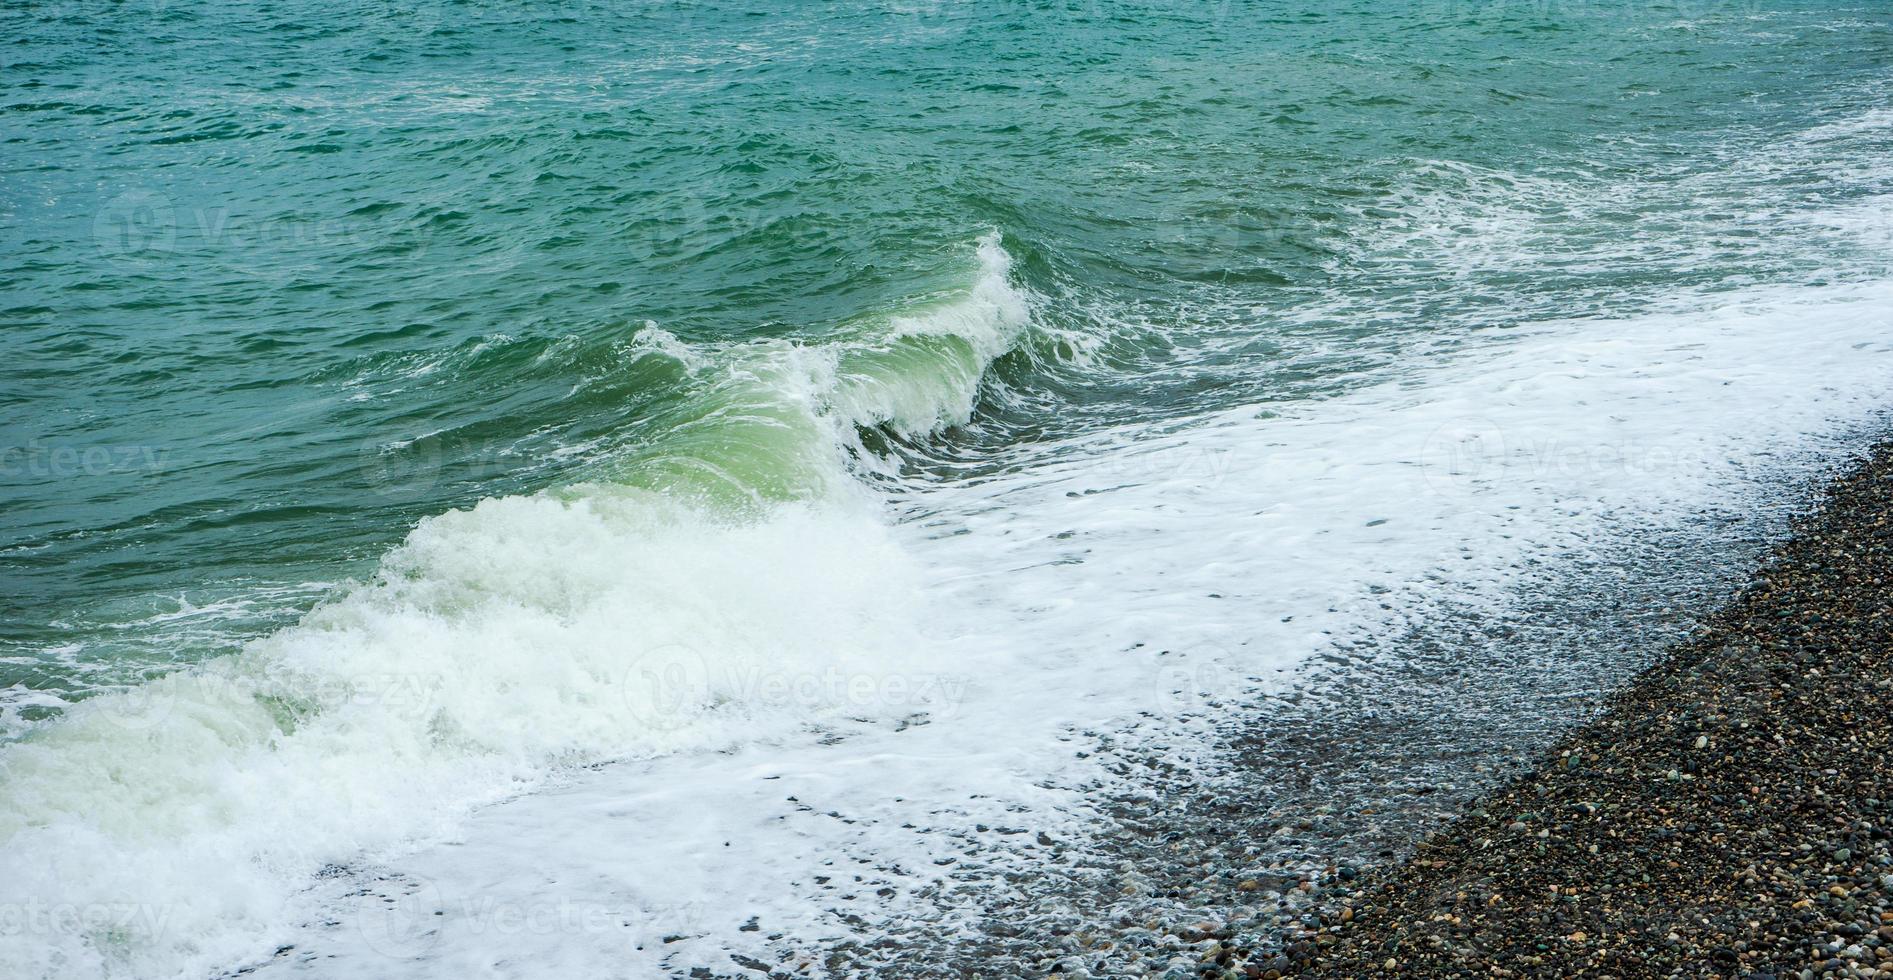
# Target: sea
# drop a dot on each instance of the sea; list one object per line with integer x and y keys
{"x": 613, "y": 488}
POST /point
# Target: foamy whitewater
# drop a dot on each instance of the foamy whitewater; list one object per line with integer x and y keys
{"x": 765, "y": 639}
{"x": 823, "y": 689}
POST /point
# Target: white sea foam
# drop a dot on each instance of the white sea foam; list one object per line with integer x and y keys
{"x": 496, "y": 645}
{"x": 1120, "y": 586}
{"x": 595, "y": 624}
{"x": 806, "y": 690}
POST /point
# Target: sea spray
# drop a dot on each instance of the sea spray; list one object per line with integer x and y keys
{"x": 733, "y": 586}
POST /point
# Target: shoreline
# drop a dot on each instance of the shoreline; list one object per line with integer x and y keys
{"x": 1241, "y": 860}
{"x": 1246, "y": 862}
{"x": 1728, "y": 814}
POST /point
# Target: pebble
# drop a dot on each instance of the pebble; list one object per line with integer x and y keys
{"x": 1736, "y": 790}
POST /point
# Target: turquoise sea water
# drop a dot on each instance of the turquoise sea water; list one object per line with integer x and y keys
{"x": 280, "y": 281}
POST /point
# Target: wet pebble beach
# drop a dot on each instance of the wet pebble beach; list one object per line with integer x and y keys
{"x": 1728, "y": 814}
{"x": 1620, "y": 732}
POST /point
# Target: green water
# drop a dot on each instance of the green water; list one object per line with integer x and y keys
{"x": 282, "y": 279}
